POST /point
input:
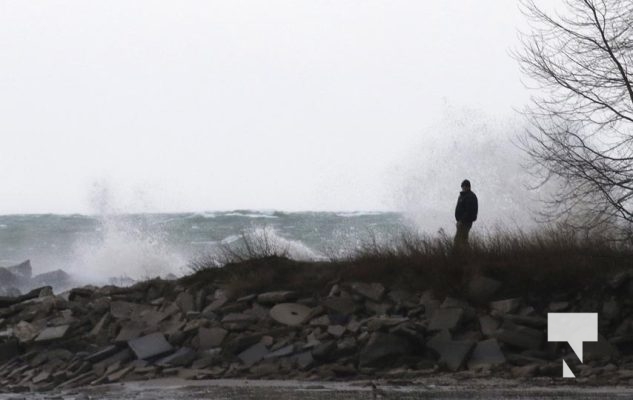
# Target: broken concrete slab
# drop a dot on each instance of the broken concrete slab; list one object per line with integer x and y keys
{"x": 129, "y": 331}
{"x": 446, "y": 318}
{"x": 102, "y": 354}
{"x": 378, "y": 308}
{"x": 452, "y": 353}
{"x": 372, "y": 291}
{"x": 323, "y": 320}
{"x": 336, "y": 330}
{"x": 181, "y": 358}
{"x": 325, "y": 351}
{"x": 122, "y": 309}
{"x": 150, "y": 346}
{"x": 211, "y": 337}
{"x": 253, "y": 354}
{"x": 487, "y": 353}
{"x": 488, "y": 325}
{"x": 276, "y": 297}
{"x": 215, "y": 305}
{"x": 601, "y": 349}
{"x": 303, "y": 360}
{"x": 8, "y": 350}
{"x": 52, "y": 333}
{"x": 185, "y": 302}
{"x": 533, "y": 321}
{"x": 25, "y": 332}
{"x": 291, "y": 314}
{"x": 558, "y": 306}
{"x": 382, "y": 348}
{"x": 282, "y": 352}
{"x": 342, "y": 305}
{"x": 403, "y": 297}
{"x": 520, "y": 336}
{"x": 507, "y": 306}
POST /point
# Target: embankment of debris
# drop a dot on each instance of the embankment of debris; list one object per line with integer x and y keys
{"x": 204, "y": 326}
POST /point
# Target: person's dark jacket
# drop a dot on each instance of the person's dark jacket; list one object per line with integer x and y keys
{"x": 466, "y": 210}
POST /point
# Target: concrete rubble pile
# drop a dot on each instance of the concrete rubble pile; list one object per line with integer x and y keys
{"x": 158, "y": 328}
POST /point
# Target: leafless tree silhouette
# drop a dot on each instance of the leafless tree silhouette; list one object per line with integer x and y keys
{"x": 581, "y": 116}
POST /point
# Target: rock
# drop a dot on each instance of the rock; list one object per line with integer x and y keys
{"x": 336, "y": 330}
{"x": 129, "y": 331}
{"x": 452, "y": 353}
{"x": 520, "y": 336}
{"x": 323, "y": 320}
{"x": 482, "y": 289}
{"x": 620, "y": 279}
{"x": 238, "y": 321}
{"x": 534, "y": 321}
{"x": 209, "y": 338}
{"x": 303, "y": 360}
{"x": 259, "y": 312}
{"x": 181, "y": 358}
{"x": 253, "y": 354}
{"x": 324, "y": 351}
{"x": 276, "y": 297}
{"x": 25, "y": 332}
{"x": 102, "y": 354}
{"x": 282, "y": 352}
{"x": 378, "y": 308}
{"x": 150, "y": 346}
{"x": 215, "y": 305}
{"x": 558, "y": 306}
{"x": 342, "y": 305}
{"x": 488, "y": 325}
{"x": 601, "y": 349}
{"x": 382, "y": 348}
{"x": 383, "y": 323}
{"x": 52, "y": 333}
{"x": 120, "y": 374}
{"x": 185, "y": 302}
{"x": 8, "y": 350}
{"x": 122, "y": 309}
{"x": 80, "y": 294}
{"x": 371, "y": 291}
{"x": 291, "y": 314}
{"x": 526, "y": 371}
{"x": 486, "y": 353}
{"x": 507, "y": 306}
{"x": 446, "y": 318}
{"x": 403, "y": 297}
{"x": 610, "y": 309}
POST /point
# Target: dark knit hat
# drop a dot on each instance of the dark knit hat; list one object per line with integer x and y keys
{"x": 465, "y": 182}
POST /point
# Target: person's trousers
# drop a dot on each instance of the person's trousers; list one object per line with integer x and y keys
{"x": 461, "y": 235}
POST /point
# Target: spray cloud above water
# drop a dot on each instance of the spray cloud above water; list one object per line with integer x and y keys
{"x": 466, "y": 144}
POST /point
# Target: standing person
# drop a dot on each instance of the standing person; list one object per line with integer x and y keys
{"x": 465, "y": 214}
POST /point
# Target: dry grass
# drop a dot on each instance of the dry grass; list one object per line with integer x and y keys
{"x": 545, "y": 263}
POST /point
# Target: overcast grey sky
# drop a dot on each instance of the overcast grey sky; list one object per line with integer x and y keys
{"x": 208, "y": 105}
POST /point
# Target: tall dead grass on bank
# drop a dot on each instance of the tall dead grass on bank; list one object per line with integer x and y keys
{"x": 548, "y": 262}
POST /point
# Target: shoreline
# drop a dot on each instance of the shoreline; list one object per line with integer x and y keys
{"x": 336, "y": 322}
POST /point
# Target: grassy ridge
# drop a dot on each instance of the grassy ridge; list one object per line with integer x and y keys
{"x": 546, "y": 264}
